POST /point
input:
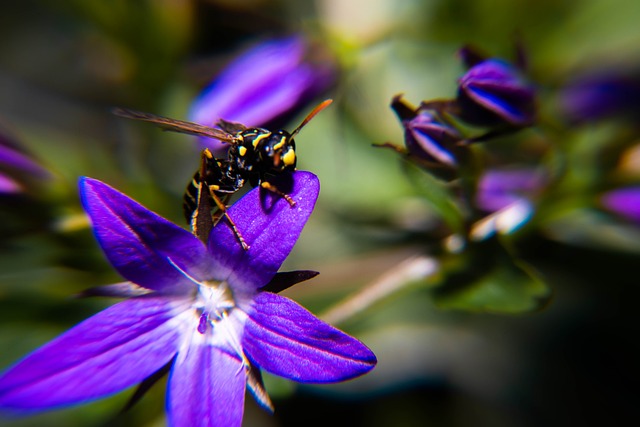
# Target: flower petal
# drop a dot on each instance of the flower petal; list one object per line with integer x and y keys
{"x": 624, "y": 201}
{"x": 499, "y": 188}
{"x": 206, "y": 387}
{"x": 263, "y": 86}
{"x": 287, "y": 340}
{"x": 269, "y": 225}
{"x": 601, "y": 94}
{"x": 144, "y": 247}
{"x": 9, "y": 185}
{"x": 431, "y": 139}
{"x": 108, "y": 352}
{"x": 11, "y": 157}
{"x": 492, "y": 92}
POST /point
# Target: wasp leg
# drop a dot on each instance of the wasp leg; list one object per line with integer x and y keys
{"x": 201, "y": 221}
{"x": 269, "y": 186}
{"x": 223, "y": 209}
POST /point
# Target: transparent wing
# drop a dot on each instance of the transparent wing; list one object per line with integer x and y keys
{"x": 177, "y": 125}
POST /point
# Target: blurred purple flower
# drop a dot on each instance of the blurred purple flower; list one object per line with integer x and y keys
{"x": 494, "y": 93}
{"x": 601, "y": 94}
{"x": 430, "y": 142}
{"x": 504, "y": 195}
{"x": 16, "y": 165}
{"x": 624, "y": 202}
{"x": 264, "y": 87}
{"x": 426, "y": 136}
{"x": 202, "y": 309}
{"x": 498, "y": 189}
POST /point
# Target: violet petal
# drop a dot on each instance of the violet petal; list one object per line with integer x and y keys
{"x": 499, "y": 188}
{"x": 287, "y": 340}
{"x": 598, "y": 95}
{"x": 9, "y": 185}
{"x": 263, "y": 85}
{"x": 144, "y": 247}
{"x": 493, "y": 91}
{"x": 106, "y": 353}
{"x": 624, "y": 202}
{"x": 269, "y": 225}
{"x": 428, "y": 138}
{"x": 206, "y": 388}
{"x": 14, "y": 159}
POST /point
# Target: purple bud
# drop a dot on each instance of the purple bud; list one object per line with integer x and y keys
{"x": 265, "y": 86}
{"x": 493, "y": 93}
{"x": 624, "y": 202}
{"x": 427, "y": 137}
{"x": 430, "y": 139}
{"x": 16, "y": 165}
{"x": 499, "y": 188}
{"x": 599, "y": 95}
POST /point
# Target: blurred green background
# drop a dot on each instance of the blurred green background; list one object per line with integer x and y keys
{"x": 563, "y": 352}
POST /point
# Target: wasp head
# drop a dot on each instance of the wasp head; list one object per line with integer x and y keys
{"x": 278, "y": 151}
{"x": 266, "y": 152}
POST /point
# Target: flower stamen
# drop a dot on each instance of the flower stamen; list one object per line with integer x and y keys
{"x": 184, "y": 273}
{"x": 217, "y": 314}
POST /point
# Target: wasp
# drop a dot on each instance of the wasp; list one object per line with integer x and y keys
{"x": 255, "y": 155}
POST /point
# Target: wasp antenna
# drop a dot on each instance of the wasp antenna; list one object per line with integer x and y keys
{"x": 324, "y": 104}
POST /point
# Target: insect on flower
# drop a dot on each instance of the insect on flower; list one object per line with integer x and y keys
{"x": 255, "y": 155}
{"x": 198, "y": 309}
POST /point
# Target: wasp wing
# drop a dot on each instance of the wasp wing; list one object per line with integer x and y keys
{"x": 177, "y": 125}
{"x": 231, "y": 127}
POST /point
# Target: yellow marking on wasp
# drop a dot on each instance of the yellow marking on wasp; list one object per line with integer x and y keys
{"x": 259, "y": 138}
{"x": 280, "y": 144}
{"x": 289, "y": 158}
{"x": 214, "y": 187}
{"x": 242, "y": 150}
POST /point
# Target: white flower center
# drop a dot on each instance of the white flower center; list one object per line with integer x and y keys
{"x": 220, "y": 320}
{"x": 214, "y": 301}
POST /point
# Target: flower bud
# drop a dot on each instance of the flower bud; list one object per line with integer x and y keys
{"x": 494, "y": 93}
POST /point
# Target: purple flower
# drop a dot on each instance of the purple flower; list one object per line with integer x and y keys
{"x": 494, "y": 93}
{"x": 426, "y": 136}
{"x": 430, "y": 139}
{"x": 15, "y": 165}
{"x": 624, "y": 201}
{"x": 201, "y": 308}
{"x": 601, "y": 94}
{"x": 498, "y": 189}
{"x": 264, "y": 87}
{"x": 504, "y": 195}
